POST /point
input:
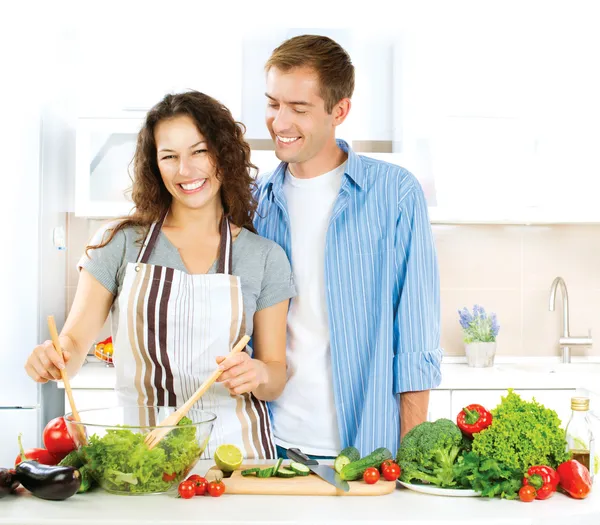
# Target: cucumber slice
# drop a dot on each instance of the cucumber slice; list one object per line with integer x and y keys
{"x": 250, "y": 471}
{"x": 345, "y": 457}
{"x": 299, "y": 468}
{"x": 285, "y": 473}
{"x": 265, "y": 473}
{"x": 277, "y": 466}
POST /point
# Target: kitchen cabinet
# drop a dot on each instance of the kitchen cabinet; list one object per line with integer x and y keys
{"x": 87, "y": 399}
{"x": 439, "y": 405}
{"x": 558, "y": 400}
{"x": 103, "y": 167}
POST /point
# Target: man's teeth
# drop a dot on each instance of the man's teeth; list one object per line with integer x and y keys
{"x": 287, "y": 139}
{"x": 193, "y": 185}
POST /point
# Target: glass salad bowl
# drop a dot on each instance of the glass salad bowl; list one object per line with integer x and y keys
{"x": 116, "y": 457}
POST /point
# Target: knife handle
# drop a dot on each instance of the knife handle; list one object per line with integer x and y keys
{"x": 295, "y": 454}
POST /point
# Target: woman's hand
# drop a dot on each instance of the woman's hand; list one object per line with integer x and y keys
{"x": 44, "y": 363}
{"x": 241, "y": 373}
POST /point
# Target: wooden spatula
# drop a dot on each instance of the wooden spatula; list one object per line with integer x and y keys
{"x": 160, "y": 432}
{"x": 65, "y": 378}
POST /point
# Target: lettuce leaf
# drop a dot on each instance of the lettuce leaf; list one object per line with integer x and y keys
{"x": 120, "y": 460}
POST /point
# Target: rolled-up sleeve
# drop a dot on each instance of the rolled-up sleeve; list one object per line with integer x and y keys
{"x": 417, "y": 352}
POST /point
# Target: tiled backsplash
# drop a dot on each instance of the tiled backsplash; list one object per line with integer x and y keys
{"x": 506, "y": 269}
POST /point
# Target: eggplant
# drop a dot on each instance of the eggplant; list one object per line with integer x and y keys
{"x": 8, "y": 482}
{"x": 48, "y": 482}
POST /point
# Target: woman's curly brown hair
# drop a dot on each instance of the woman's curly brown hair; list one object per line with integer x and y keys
{"x": 226, "y": 144}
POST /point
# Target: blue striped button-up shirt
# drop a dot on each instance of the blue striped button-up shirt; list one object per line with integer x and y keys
{"x": 382, "y": 290}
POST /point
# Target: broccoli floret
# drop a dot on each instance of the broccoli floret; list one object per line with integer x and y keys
{"x": 428, "y": 452}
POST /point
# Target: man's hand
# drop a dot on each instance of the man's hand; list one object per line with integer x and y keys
{"x": 413, "y": 410}
{"x": 241, "y": 373}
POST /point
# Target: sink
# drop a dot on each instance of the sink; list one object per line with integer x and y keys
{"x": 551, "y": 368}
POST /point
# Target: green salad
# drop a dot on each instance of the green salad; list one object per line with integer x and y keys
{"x": 121, "y": 461}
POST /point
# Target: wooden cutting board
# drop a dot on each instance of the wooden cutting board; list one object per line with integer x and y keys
{"x": 311, "y": 485}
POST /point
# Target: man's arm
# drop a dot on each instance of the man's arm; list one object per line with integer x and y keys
{"x": 417, "y": 352}
{"x": 413, "y": 410}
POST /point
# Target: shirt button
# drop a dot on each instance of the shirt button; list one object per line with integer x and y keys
{"x": 137, "y": 268}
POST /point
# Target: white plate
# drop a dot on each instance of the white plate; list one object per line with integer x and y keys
{"x": 438, "y": 491}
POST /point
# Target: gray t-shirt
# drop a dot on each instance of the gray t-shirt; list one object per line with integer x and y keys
{"x": 261, "y": 265}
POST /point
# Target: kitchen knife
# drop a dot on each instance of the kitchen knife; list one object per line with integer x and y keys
{"x": 323, "y": 471}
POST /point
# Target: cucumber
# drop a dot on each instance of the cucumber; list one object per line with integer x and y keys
{"x": 299, "y": 469}
{"x": 285, "y": 473}
{"x": 348, "y": 455}
{"x": 250, "y": 471}
{"x": 355, "y": 470}
{"x": 277, "y": 466}
{"x": 265, "y": 473}
{"x": 72, "y": 459}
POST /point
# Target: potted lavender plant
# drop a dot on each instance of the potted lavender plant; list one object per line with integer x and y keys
{"x": 479, "y": 334}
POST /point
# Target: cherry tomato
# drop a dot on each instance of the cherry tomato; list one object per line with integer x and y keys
{"x": 527, "y": 493}
{"x": 216, "y": 488}
{"x": 200, "y": 483}
{"x": 371, "y": 475}
{"x": 391, "y": 471}
{"x": 387, "y": 463}
{"x": 41, "y": 455}
{"x": 187, "y": 489}
{"x": 57, "y": 439}
{"x": 169, "y": 477}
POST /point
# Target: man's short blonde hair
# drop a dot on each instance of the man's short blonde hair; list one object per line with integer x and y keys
{"x": 329, "y": 60}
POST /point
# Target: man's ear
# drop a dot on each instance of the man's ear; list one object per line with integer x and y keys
{"x": 340, "y": 111}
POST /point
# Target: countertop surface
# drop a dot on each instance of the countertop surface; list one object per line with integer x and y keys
{"x": 401, "y": 507}
{"x": 508, "y": 372}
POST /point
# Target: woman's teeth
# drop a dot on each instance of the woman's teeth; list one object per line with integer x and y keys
{"x": 193, "y": 185}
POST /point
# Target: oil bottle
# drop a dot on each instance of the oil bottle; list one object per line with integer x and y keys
{"x": 578, "y": 433}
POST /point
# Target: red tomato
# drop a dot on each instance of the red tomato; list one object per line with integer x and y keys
{"x": 41, "y": 455}
{"x": 527, "y": 493}
{"x": 216, "y": 488}
{"x": 57, "y": 439}
{"x": 391, "y": 471}
{"x": 169, "y": 477}
{"x": 387, "y": 463}
{"x": 187, "y": 489}
{"x": 371, "y": 475}
{"x": 201, "y": 484}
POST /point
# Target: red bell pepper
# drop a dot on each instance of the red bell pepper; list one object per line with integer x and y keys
{"x": 544, "y": 479}
{"x": 472, "y": 419}
{"x": 575, "y": 479}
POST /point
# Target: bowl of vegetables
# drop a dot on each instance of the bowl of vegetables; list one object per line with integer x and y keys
{"x": 120, "y": 462}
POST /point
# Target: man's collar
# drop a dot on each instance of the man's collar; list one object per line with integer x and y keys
{"x": 354, "y": 169}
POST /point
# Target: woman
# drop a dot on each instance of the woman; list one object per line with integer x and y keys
{"x": 184, "y": 278}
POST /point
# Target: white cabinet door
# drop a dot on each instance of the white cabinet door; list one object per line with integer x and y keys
{"x": 15, "y": 422}
{"x": 104, "y": 151}
{"x": 89, "y": 399}
{"x": 439, "y": 405}
{"x": 558, "y": 400}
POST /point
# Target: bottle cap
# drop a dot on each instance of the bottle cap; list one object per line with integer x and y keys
{"x": 580, "y": 403}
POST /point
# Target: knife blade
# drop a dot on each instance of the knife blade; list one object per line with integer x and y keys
{"x": 325, "y": 472}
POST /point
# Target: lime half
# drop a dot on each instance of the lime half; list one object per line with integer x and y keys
{"x": 228, "y": 457}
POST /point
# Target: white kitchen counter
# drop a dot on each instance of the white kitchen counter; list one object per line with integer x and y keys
{"x": 401, "y": 507}
{"x": 456, "y": 375}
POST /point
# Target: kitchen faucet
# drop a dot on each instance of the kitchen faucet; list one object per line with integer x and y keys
{"x": 566, "y": 340}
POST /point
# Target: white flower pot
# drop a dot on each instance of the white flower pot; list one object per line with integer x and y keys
{"x": 480, "y": 355}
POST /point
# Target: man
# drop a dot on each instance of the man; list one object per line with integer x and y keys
{"x": 363, "y": 333}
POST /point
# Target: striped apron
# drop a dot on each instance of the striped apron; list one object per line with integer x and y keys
{"x": 171, "y": 327}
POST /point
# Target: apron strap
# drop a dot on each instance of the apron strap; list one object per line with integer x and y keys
{"x": 225, "y": 264}
{"x": 150, "y": 240}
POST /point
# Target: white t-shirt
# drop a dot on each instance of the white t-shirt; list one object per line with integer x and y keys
{"x": 305, "y": 415}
